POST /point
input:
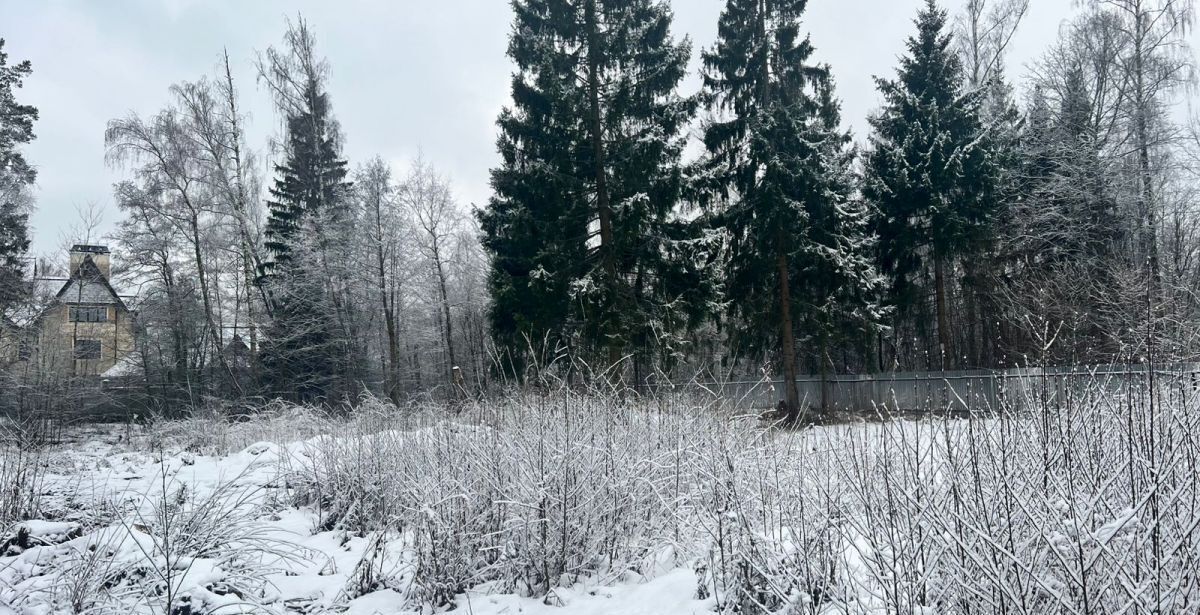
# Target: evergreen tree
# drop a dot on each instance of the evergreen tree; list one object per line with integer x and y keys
{"x": 305, "y": 354}
{"x": 310, "y": 347}
{"x": 982, "y": 274}
{"x": 16, "y": 176}
{"x": 1066, "y": 230}
{"x": 587, "y": 252}
{"x": 931, "y": 174}
{"x": 778, "y": 170}
{"x": 310, "y": 183}
{"x": 1091, "y": 207}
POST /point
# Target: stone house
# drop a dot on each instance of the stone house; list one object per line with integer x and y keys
{"x": 74, "y": 326}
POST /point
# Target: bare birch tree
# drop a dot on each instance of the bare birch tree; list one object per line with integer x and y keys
{"x": 437, "y": 219}
{"x": 168, "y": 161}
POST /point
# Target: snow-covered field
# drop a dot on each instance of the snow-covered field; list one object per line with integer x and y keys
{"x": 577, "y": 505}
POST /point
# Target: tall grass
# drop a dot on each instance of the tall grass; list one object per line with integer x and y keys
{"x": 22, "y": 472}
{"x": 1087, "y": 504}
{"x": 1083, "y": 501}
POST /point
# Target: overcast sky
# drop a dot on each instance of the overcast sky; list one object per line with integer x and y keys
{"x": 408, "y": 76}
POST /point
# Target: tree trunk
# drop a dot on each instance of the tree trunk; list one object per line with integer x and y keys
{"x": 178, "y": 342}
{"x": 943, "y": 320}
{"x": 787, "y": 327}
{"x": 788, "y": 347}
{"x": 388, "y": 304}
{"x": 251, "y": 259}
{"x": 824, "y": 359}
{"x": 603, "y": 206}
{"x": 213, "y": 331}
{"x": 393, "y": 351}
{"x": 1149, "y": 224}
{"x": 447, "y": 325}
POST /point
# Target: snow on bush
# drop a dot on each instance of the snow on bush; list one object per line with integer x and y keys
{"x": 594, "y": 504}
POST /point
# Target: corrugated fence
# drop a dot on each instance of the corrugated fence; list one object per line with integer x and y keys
{"x": 968, "y": 389}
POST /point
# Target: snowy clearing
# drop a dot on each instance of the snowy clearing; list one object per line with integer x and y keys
{"x": 578, "y": 505}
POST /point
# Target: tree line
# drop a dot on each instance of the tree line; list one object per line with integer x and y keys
{"x": 969, "y": 231}
{"x": 641, "y": 233}
{"x": 318, "y": 284}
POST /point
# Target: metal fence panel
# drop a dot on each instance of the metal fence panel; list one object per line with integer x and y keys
{"x": 965, "y": 389}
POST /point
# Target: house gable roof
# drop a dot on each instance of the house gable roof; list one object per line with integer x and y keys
{"x": 87, "y": 285}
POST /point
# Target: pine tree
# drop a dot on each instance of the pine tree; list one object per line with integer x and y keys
{"x": 581, "y": 226}
{"x": 310, "y": 183}
{"x": 1066, "y": 230}
{"x": 311, "y": 345}
{"x": 16, "y": 176}
{"x": 778, "y": 171}
{"x": 930, "y": 173}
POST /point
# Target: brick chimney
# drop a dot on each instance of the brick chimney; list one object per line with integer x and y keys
{"x": 100, "y": 256}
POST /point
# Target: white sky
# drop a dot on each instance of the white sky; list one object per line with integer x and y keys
{"x": 408, "y": 76}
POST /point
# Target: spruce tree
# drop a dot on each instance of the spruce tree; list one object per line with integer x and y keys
{"x": 778, "y": 173}
{"x": 311, "y": 181}
{"x": 309, "y": 349}
{"x": 1062, "y": 266}
{"x": 930, "y": 174}
{"x": 16, "y": 176}
{"x": 998, "y": 190}
{"x": 1091, "y": 205}
{"x": 587, "y": 252}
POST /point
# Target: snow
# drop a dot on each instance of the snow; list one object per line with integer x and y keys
{"x": 670, "y": 594}
{"x": 310, "y": 570}
{"x": 48, "y": 530}
{"x": 382, "y": 602}
{"x": 653, "y": 513}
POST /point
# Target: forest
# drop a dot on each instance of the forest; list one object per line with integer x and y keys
{"x": 640, "y": 234}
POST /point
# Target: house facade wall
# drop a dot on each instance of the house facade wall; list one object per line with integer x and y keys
{"x": 64, "y": 316}
{"x": 58, "y": 336}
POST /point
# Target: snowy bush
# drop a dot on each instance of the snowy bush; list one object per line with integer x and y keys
{"x": 530, "y": 493}
{"x": 22, "y": 469}
{"x": 1085, "y": 504}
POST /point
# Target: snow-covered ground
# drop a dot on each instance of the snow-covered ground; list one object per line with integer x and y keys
{"x": 579, "y": 507}
{"x": 235, "y": 548}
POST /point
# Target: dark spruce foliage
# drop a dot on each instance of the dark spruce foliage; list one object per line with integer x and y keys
{"x": 16, "y": 176}
{"x": 778, "y": 176}
{"x": 931, "y": 175}
{"x": 588, "y": 255}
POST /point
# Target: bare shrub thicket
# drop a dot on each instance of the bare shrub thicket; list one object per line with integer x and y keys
{"x": 22, "y": 471}
{"x": 533, "y": 493}
{"x": 1084, "y": 504}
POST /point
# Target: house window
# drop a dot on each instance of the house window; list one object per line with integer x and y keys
{"x": 86, "y": 350}
{"x": 89, "y": 313}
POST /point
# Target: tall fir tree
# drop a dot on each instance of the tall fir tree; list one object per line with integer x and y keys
{"x": 778, "y": 173}
{"x": 931, "y": 175}
{"x": 310, "y": 183}
{"x": 588, "y": 253}
{"x": 1067, "y": 231}
{"x": 983, "y": 273}
{"x": 16, "y": 177}
{"x": 309, "y": 348}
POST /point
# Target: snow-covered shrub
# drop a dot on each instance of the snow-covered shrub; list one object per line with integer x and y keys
{"x": 22, "y": 470}
{"x": 528, "y": 493}
{"x": 221, "y": 430}
{"x": 181, "y": 552}
{"x": 1086, "y": 505}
